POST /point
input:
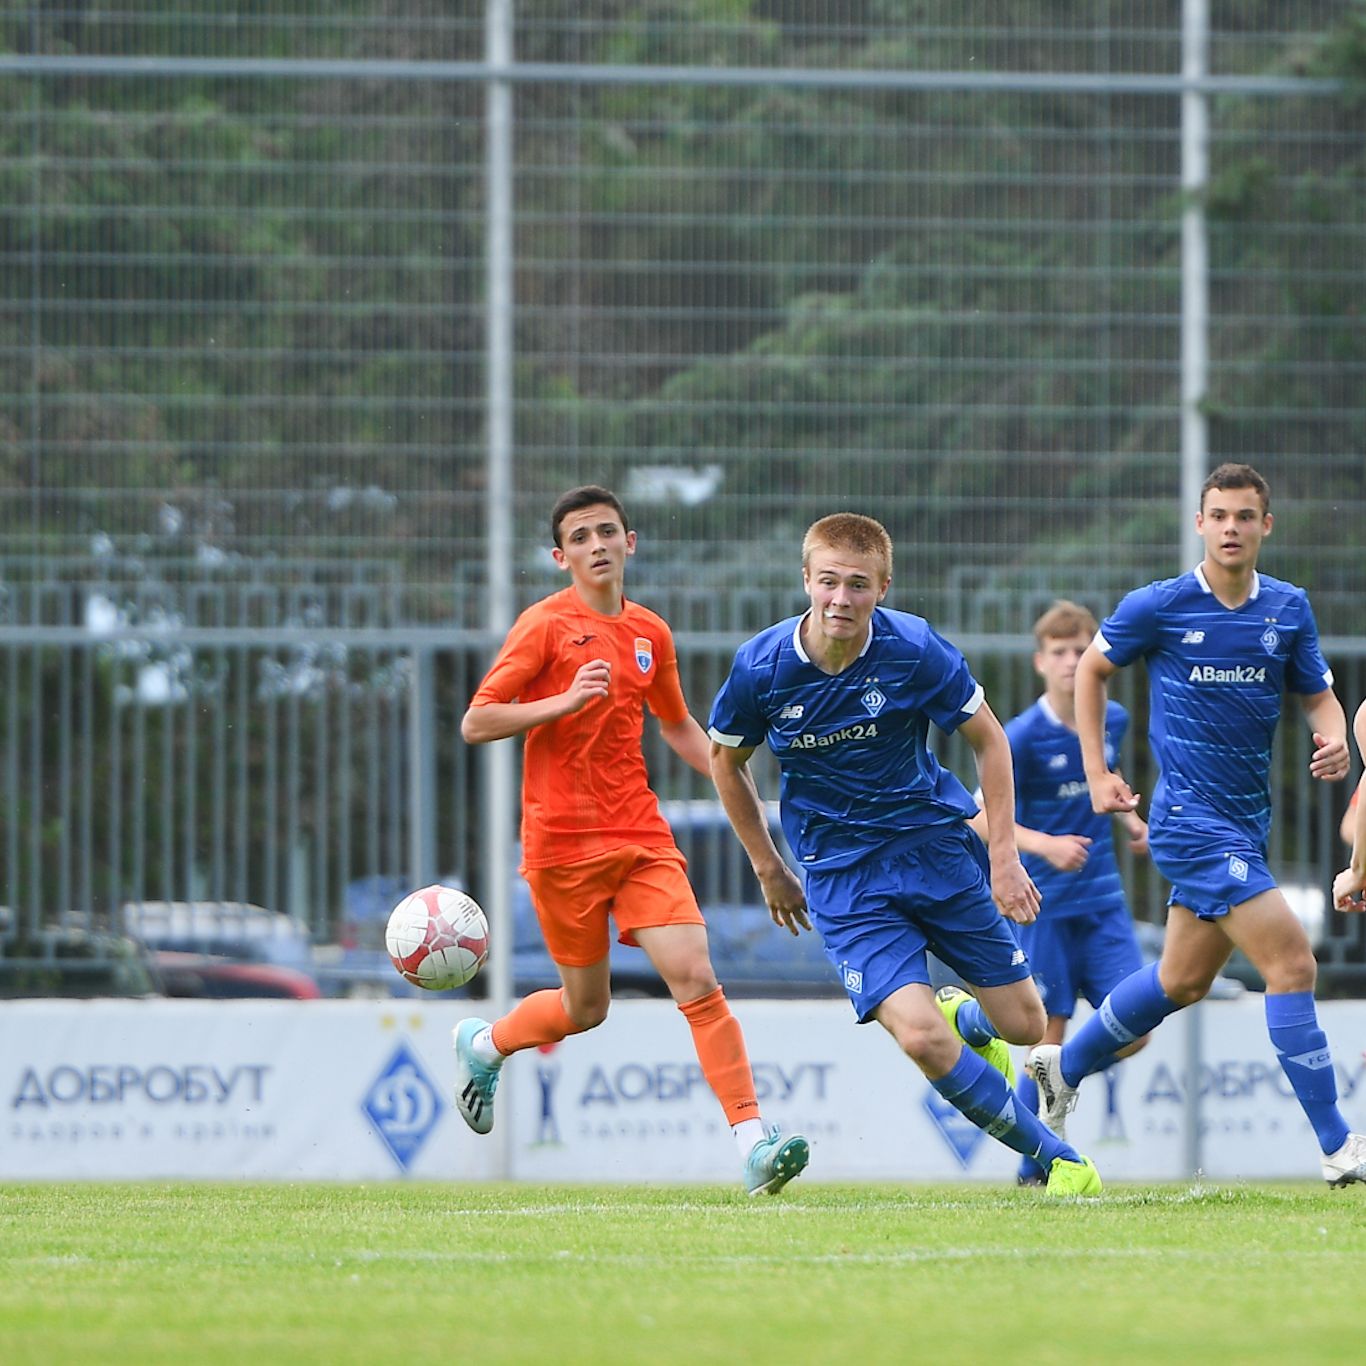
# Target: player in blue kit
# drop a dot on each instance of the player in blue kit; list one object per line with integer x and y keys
{"x": 843, "y": 696}
{"x": 1083, "y": 942}
{"x": 1222, "y": 644}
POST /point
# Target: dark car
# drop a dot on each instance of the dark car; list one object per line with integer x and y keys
{"x": 752, "y": 956}
{"x": 216, "y": 977}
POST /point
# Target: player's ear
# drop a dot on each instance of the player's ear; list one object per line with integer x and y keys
{"x": 630, "y": 542}
{"x": 558, "y": 556}
{"x": 1267, "y": 519}
{"x": 886, "y": 584}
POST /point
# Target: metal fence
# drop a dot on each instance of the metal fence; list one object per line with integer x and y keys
{"x": 305, "y": 313}
{"x": 299, "y": 770}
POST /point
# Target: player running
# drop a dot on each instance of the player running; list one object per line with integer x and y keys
{"x": 1222, "y": 644}
{"x": 1083, "y": 943}
{"x": 574, "y": 676}
{"x": 843, "y": 696}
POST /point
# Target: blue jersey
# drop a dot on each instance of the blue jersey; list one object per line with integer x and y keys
{"x": 1051, "y": 796}
{"x": 858, "y": 776}
{"x": 1215, "y": 678}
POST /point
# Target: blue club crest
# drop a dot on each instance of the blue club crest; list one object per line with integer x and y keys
{"x": 874, "y": 700}
{"x": 403, "y": 1105}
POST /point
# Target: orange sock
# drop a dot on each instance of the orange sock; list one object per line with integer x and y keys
{"x": 720, "y": 1046}
{"x": 541, "y": 1018}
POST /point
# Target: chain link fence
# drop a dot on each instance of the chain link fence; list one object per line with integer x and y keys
{"x": 768, "y": 260}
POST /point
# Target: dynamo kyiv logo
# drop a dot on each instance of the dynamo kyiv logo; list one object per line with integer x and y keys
{"x": 403, "y": 1105}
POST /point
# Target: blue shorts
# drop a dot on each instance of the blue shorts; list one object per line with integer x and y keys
{"x": 1211, "y": 864}
{"x": 1081, "y": 955}
{"x": 878, "y": 917}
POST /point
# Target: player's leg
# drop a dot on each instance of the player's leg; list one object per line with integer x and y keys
{"x": 1052, "y": 944}
{"x": 942, "y": 894}
{"x": 1192, "y": 955}
{"x": 571, "y": 905}
{"x": 1205, "y": 879}
{"x": 973, "y": 1087}
{"x": 656, "y": 908}
{"x": 1267, "y": 931}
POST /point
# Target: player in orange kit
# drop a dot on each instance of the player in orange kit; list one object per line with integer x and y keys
{"x": 574, "y": 676}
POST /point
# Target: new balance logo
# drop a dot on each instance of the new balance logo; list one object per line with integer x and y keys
{"x": 1017, "y": 958}
{"x": 792, "y": 712}
{"x": 1193, "y": 638}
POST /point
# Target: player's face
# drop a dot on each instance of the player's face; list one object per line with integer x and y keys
{"x": 594, "y": 546}
{"x": 1233, "y": 526}
{"x": 1056, "y": 661}
{"x": 843, "y": 588}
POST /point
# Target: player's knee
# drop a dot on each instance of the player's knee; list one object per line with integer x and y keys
{"x": 931, "y": 1048}
{"x": 1293, "y": 972}
{"x": 1017, "y": 1016}
{"x": 691, "y": 981}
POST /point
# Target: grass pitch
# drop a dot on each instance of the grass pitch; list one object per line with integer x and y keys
{"x": 567, "y": 1274}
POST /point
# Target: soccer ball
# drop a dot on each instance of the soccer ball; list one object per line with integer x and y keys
{"x": 438, "y": 938}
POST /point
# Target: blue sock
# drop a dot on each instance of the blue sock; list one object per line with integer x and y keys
{"x": 1133, "y": 1008}
{"x": 973, "y": 1025}
{"x": 981, "y": 1093}
{"x": 1027, "y": 1094}
{"x": 1302, "y": 1048}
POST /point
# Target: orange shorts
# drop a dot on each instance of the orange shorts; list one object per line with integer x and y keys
{"x": 637, "y": 887}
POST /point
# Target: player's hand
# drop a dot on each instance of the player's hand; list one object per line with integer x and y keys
{"x": 1014, "y": 892}
{"x": 1348, "y": 891}
{"x": 1068, "y": 853}
{"x": 1138, "y": 834}
{"x": 1110, "y": 792}
{"x": 591, "y": 682}
{"x": 785, "y": 899}
{"x": 1330, "y": 760}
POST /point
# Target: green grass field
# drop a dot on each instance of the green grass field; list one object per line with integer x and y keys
{"x": 868, "y": 1273}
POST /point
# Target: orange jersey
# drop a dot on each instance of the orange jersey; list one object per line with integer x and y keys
{"x": 585, "y": 789}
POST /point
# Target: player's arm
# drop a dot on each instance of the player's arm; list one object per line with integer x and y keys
{"x": 745, "y": 809}
{"x": 689, "y": 741}
{"x": 487, "y": 721}
{"x": 1349, "y": 887}
{"x": 1014, "y": 893}
{"x": 1328, "y": 722}
{"x": 1109, "y": 791}
{"x": 1067, "y": 853}
{"x": 1135, "y": 827}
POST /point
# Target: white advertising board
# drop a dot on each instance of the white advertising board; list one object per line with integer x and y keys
{"x": 224, "y": 1089}
{"x": 362, "y": 1090}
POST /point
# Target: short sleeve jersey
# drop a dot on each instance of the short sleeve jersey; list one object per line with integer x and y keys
{"x": 1051, "y": 795}
{"x": 1216, "y": 677}
{"x": 585, "y": 788}
{"x": 857, "y": 774}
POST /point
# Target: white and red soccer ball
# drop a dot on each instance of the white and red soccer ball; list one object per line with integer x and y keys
{"x": 438, "y": 938}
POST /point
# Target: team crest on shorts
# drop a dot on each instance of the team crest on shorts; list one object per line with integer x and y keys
{"x": 1237, "y": 868}
{"x": 853, "y": 980}
{"x": 645, "y": 654}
